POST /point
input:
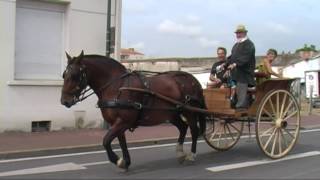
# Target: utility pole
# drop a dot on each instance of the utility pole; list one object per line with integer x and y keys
{"x": 108, "y": 35}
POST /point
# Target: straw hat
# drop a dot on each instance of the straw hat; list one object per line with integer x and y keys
{"x": 241, "y": 28}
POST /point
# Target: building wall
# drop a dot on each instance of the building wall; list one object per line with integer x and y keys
{"x": 24, "y": 101}
{"x": 297, "y": 70}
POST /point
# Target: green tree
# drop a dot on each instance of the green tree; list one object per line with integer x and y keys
{"x": 308, "y": 48}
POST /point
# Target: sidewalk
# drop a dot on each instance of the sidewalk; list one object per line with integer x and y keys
{"x": 23, "y": 144}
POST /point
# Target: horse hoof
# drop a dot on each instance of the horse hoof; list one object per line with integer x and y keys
{"x": 121, "y": 163}
{"x": 191, "y": 157}
{"x": 181, "y": 156}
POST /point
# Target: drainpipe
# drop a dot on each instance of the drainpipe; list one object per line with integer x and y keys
{"x": 105, "y": 125}
{"x": 108, "y": 35}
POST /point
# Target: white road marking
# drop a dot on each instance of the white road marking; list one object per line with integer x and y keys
{"x": 261, "y": 162}
{"x": 95, "y": 163}
{"x": 88, "y": 153}
{"x": 45, "y": 169}
{"x": 52, "y": 168}
{"x": 132, "y": 148}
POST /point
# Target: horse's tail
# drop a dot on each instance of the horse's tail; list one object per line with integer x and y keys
{"x": 202, "y": 117}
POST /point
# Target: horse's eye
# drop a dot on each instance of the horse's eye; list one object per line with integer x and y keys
{"x": 75, "y": 77}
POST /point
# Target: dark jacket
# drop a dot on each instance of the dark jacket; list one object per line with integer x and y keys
{"x": 243, "y": 54}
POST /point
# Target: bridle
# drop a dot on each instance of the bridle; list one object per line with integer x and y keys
{"x": 81, "y": 90}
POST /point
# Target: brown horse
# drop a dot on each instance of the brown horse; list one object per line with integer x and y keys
{"x": 141, "y": 105}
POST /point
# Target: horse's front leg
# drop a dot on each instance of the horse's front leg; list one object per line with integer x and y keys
{"x": 114, "y": 131}
{"x": 125, "y": 162}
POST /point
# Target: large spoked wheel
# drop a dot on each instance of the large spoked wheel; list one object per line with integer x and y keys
{"x": 277, "y": 123}
{"x": 223, "y": 134}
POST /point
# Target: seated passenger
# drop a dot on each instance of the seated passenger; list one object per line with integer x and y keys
{"x": 264, "y": 68}
{"x": 217, "y": 79}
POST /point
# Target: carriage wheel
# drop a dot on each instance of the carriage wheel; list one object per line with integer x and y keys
{"x": 223, "y": 134}
{"x": 277, "y": 123}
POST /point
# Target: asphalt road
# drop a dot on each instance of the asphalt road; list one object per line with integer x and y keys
{"x": 244, "y": 161}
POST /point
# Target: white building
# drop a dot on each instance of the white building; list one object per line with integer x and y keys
{"x": 297, "y": 70}
{"x": 34, "y": 35}
{"x": 130, "y": 54}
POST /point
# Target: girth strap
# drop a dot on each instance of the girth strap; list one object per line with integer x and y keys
{"x": 119, "y": 104}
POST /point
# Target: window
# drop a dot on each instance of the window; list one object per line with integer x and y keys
{"x": 39, "y": 40}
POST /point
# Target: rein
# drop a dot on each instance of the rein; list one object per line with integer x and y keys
{"x": 83, "y": 96}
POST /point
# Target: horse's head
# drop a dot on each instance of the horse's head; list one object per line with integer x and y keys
{"x": 75, "y": 80}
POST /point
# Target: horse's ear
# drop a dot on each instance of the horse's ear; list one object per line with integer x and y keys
{"x": 80, "y": 57}
{"x": 69, "y": 58}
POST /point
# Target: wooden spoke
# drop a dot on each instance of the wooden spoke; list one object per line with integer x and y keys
{"x": 267, "y": 131}
{"x": 287, "y": 109}
{"x": 231, "y": 134}
{"x": 278, "y": 103}
{"x": 268, "y": 141}
{"x": 235, "y": 128}
{"x": 280, "y": 142}
{"x": 214, "y": 133}
{"x": 282, "y": 105}
{"x": 271, "y": 105}
{"x": 268, "y": 113}
{"x": 219, "y": 139}
{"x": 287, "y": 131}
{"x": 274, "y": 142}
{"x": 225, "y": 132}
{"x": 292, "y": 114}
{"x": 284, "y": 138}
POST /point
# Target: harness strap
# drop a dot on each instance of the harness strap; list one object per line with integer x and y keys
{"x": 83, "y": 96}
{"x": 170, "y": 100}
{"x": 119, "y": 104}
{"x": 123, "y": 104}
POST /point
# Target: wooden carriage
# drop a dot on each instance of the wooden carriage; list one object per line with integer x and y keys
{"x": 275, "y": 111}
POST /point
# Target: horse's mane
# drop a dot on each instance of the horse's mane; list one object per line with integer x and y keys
{"x": 104, "y": 60}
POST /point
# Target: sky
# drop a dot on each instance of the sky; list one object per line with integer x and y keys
{"x": 195, "y": 28}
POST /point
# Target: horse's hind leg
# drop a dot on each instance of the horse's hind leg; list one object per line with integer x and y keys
{"x": 182, "y": 127}
{"x": 125, "y": 162}
{"x": 194, "y": 134}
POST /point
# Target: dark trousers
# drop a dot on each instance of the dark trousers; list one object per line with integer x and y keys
{"x": 241, "y": 90}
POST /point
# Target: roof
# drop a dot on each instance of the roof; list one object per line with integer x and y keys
{"x": 296, "y": 59}
{"x": 130, "y": 51}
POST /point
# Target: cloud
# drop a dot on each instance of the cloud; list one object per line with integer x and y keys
{"x": 193, "y": 18}
{"x": 193, "y": 31}
{"x": 138, "y": 7}
{"x": 206, "y": 43}
{"x": 279, "y": 28}
{"x": 171, "y": 27}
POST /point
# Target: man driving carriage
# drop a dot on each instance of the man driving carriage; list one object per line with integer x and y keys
{"x": 242, "y": 63}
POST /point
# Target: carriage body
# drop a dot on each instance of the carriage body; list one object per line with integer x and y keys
{"x": 275, "y": 113}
